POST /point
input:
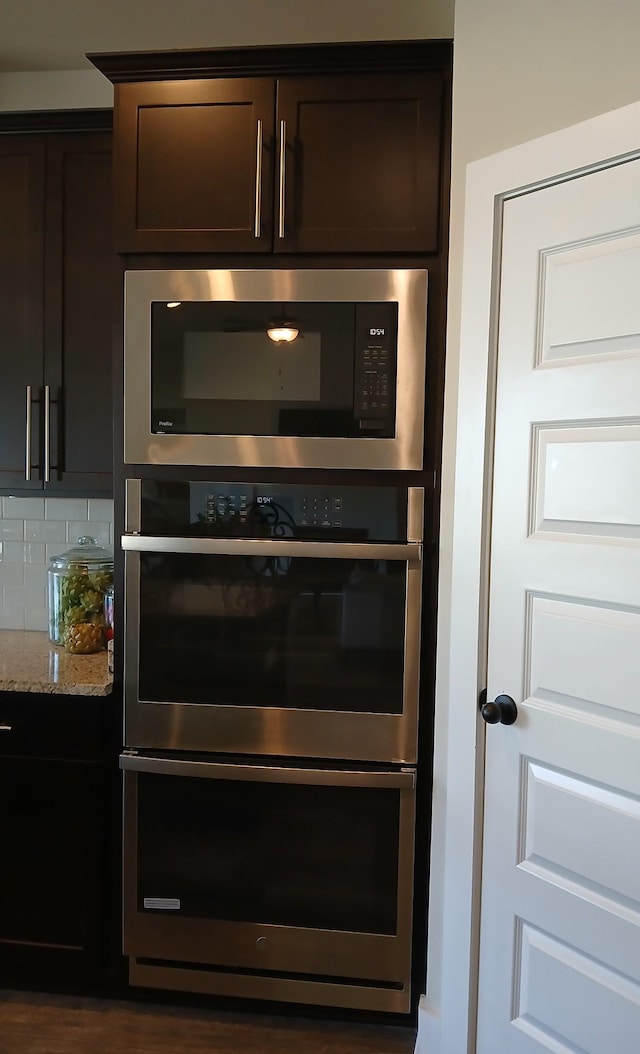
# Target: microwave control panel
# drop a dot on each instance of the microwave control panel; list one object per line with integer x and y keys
{"x": 375, "y": 368}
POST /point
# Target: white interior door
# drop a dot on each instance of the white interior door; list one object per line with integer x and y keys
{"x": 560, "y": 919}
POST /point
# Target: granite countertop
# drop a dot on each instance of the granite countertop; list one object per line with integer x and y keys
{"x": 29, "y": 662}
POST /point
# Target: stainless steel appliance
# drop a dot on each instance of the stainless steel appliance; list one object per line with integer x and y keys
{"x": 276, "y": 368}
{"x": 271, "y": 700}
{"x": 273, "y": 620}
{"x": 269, "y": 881}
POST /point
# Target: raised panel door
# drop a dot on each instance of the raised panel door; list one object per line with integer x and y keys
{"x": 559, "y": 939}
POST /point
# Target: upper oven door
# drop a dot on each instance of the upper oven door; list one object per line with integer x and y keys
{"x": 210, "y": 381}
{"x": 273, "y": 646}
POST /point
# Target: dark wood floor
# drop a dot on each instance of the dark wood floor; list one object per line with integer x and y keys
{"x": 47, "y": 1024}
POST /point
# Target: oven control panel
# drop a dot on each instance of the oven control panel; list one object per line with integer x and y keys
{"x": 273, "y": 510}
{"x": 296, "y": 511}
{"x": 303, "y": 510}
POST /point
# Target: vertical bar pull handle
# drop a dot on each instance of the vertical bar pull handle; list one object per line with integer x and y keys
{"x": 258, "y": 213}
{"x": 47, "y": 422}
{"x": 283, "y": 158}
{"x": 27, "y": 438}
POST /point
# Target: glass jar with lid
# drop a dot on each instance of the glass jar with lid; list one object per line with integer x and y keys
{"x": 76, "y": 584}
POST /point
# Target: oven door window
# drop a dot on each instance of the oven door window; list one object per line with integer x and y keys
{"x": 216, "y": 371}
{"x": 288, "y": 854}
{"x": 301, "y": 633}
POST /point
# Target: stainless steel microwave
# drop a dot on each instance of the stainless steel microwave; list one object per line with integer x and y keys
{"x": 275, "y": 368}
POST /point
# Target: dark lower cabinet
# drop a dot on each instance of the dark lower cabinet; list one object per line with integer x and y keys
{"x": 57, "y": 286}
{"x": 58, "y": 885}
{"x": 50, "y": 908}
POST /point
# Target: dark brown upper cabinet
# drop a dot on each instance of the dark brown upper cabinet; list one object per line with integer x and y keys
{"x": 340, "y": 150}
{"x": 358, "y": 163}
{"x": 194, "y": 166}
{"x": 56, "y": 312}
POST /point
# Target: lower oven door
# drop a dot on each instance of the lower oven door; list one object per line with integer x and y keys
{"x": 269, "y": 882}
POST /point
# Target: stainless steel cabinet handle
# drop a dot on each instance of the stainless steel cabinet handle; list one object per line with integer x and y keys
{"x": 258, "y": 222}
{"x": 6, "y": 728}
{"x": 27, "y": 438}
{"x": 47, "y": 421}
{"x": 411, "y": 551}
{"x": 283, "y": 157}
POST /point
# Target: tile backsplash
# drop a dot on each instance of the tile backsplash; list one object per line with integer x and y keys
{"x": 32, "y": 530}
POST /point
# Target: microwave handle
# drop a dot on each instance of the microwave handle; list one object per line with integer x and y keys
{"x": 273, "y": 547}
{"x": 167, "y": 766}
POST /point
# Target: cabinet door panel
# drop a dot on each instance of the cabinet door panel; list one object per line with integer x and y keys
{"x": 194, "y": 165}
{"x": 50, "y": 880}
{"x": 21, "y": 255}
{"x": 79, "y": 303}
{"x": 362, "y": 166}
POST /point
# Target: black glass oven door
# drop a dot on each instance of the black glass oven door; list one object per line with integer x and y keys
{"x": 269, "y": 647}
{"x": 281, "y": 870}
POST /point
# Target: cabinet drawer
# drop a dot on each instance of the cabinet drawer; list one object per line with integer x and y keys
{"x": 51, "y": 726}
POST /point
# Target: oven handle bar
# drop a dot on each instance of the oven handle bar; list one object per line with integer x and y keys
{"x": 267, "y": 774}
{"x": 275, "y": 547}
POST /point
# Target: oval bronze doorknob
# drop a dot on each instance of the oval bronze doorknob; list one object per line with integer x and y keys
{"x": 502, "y": 711}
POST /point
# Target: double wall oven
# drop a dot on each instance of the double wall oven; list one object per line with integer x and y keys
{"x": 272, "y": 650}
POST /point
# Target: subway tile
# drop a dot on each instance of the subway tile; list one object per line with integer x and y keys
{"x": 101, "y": 509}
{"x": 33, "y": 574}
{"x": 66, "y": 509}
{"x": 54, "y": 549}
{"x": 36, "y": 618}
{"x": 23, "y": 597}
{"x": 23, "y": 552}
{"x": 32, "y": 530}
{"x": 14, "y": 574}
{"x": 45, "y": 530}
{"x": 11, "y": 530}
{"x": 22, "y": 508}
{"x": 78, "y": 529}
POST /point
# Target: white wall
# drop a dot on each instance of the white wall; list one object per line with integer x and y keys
{"x": 55, "y": 90}
{"x": 522, "y": 68}
{"x": 58, "y": 34}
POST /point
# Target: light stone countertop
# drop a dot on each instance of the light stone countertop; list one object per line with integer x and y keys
{"x": 29, "y": 662}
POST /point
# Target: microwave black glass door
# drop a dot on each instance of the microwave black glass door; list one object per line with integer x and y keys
{"x": 291, "y": 632}
{"x": 216, "y": 371}
{"x": 285, "y": 854}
